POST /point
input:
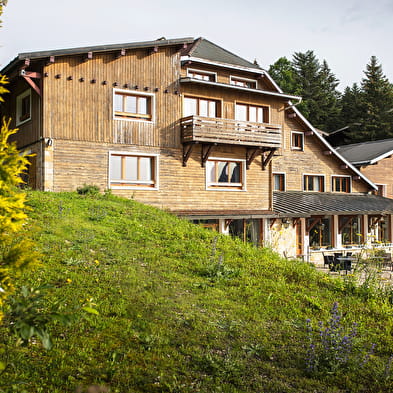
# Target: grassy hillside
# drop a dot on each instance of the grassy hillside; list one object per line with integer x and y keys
{"x": 183, "y": 309}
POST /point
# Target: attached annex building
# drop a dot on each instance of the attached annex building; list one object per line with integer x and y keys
{"x": 185, "y": 125}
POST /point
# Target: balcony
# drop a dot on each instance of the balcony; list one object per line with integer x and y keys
{"x": 197, "y": 129}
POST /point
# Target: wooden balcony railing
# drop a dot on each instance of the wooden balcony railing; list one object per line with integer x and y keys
{"x": 234, "y": 132}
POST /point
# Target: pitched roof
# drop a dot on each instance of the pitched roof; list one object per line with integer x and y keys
{"x": 206, "y": 50}
{"x": 99, "y": 48}
{"x": 367, "y": 152}
{"x": 305, "y": 204}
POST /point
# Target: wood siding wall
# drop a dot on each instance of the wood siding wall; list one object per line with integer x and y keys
{"x": 381, "y": 173}
{"x": 77, "y": 109}
{"x": 180, "y": 188}
{"x": 311, "y": 160}
{"x": 30, "y": 131}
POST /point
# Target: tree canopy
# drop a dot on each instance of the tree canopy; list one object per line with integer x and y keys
{"x": 364, "y": 112}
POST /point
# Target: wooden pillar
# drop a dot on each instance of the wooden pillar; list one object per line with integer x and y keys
{"x": 336, "y": 238}
{"x": 365, "y": 228}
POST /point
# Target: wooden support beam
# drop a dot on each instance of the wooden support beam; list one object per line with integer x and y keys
{"x": 357, "y": 177}
{"x": 313, "y": 223}
{"x": 26, "y": 64}
{"x": 89, "y": 56}
{"x": 309, "y": 133}
{"x": 268, "y": 158}
{"x": 120, "y": 54}
{"x": 296, "y": 221}
{"x": 345, "y": 223}
{"x": 50, "y": 61}
{"x": 30, "y": 74}
{"x": 344, "y": 166}
{"x": 187, "y": 149}
{"x": 228, "y": 222}
{"x": 251, "y": 153}
{"x": 327, "y": 153}
{"x": 32, "y": 84}
{"x": 153, "y": 50}
{"x": 272, "y": 221}
{"x": 205, "y": 152}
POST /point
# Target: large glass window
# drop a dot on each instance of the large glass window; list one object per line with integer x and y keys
{"x": 341, "y": 184}
{"x": 128, "y": 105}
{"x": 252, "y": 113}
{"x": 130, "y": 170}
{"x": 194, "y": 106}
{"x": 350, "y": 227}
{"x": 224, "y": 174}
{"x": 313, "y": 183}
{"x": 320, "y": 232}
{"x": 249, "y": 230}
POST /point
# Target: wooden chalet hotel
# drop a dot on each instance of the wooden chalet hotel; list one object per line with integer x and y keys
{"x": 185, "y": 125}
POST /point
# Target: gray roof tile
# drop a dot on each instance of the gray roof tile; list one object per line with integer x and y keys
{"x": 303, "y": 204}
{"x": 366, "y": 152}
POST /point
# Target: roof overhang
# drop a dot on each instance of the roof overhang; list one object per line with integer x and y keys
{"x": 307, "y": 204}
{"x": 96, "y": 49}
{"x": 223, "y": 214}
{"x": 239, "y": 88}
{"x": 192, "y": 59}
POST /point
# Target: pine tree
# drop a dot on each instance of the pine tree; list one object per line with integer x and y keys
{"x": 284, "y": 75}
{"x": 377, "y": 103}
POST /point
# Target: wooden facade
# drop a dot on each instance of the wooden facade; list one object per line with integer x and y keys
{"x": 80, "y": 136}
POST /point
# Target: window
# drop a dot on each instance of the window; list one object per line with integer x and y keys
{"x": 381, "y": 189}
{"x": 253, "y": 113}
{"x": 23, "y": 107}
{"x": 249, "y": 230}
{"x": 243, "y": 82}
{"x": 297, "y": 140}
{"x": 314, "y": 183}
{"x": 278, "y": 182}
{"x": 129, "y": 170}
{"x": 195, "y": 106}
{"x": 132, "y": 105}
{"x": 208, "y": 224}
{"x": 225, "y": 174}
{"x": 320, "y": 234}
{"x": 202, "y": 75}
{"x": 341, "y": 184}
{"x": 350, "y": 227}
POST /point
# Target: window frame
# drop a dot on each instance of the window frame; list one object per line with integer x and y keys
{"x": 202, "y": 72}
{"x": 150, "y": 118}
{"x": 333, "y": 183}
{"x": 265, "y": 112}
{"x": 234, "y": 78}
{"x": 382, "y": 189}
{"x": 293, "y": 145}
{"x": 137, "y": 184}
{"x": 221, "y": 186}
{"x": 218, "y": 107}
{"x": 322, "y": 182}
{"x": 283, "y": 181}
{"x": 19, "y": 107}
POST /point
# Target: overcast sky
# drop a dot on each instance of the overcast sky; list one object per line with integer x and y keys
{"x": 346, "y": 33}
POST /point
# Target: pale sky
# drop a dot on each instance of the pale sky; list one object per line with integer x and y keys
{"x": 344, "y": 32}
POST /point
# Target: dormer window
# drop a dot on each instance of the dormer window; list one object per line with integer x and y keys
{"x": 243, "y": 82}
{"x": 202, "y": 75}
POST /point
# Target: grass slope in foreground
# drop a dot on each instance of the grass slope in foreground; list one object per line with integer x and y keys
{"x": 183, "y": 309}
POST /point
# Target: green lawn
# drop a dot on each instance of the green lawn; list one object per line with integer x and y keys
{"x": 184, "y": 309}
